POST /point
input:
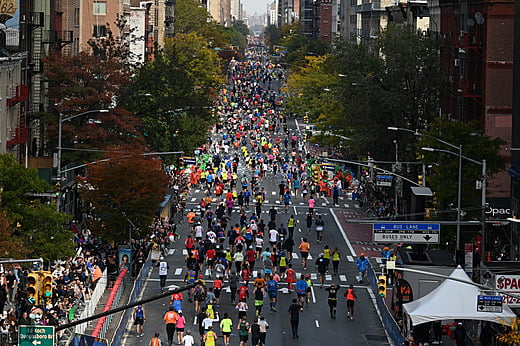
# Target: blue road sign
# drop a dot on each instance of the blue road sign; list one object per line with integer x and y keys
{"x": 408, "y": 226}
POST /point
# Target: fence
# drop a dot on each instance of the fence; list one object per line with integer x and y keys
{"x": 90, "y": 305}
{"x": 113, "y": 301}
{"x": 136, "y": 290}
{"x": 388, "y": 320}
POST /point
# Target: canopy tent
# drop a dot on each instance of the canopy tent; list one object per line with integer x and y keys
{"x": 453, "y": 300}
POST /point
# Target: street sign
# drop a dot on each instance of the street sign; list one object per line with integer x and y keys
{"x": 489, "y": 303}
{"x": 406, "y": 236}
{"x": 407, "y": 226}
{"x": 407, "y": 232}
{"x": 188, "y": 161}
{"x": 384, "y": 180}
{"x": 36, "y": 336}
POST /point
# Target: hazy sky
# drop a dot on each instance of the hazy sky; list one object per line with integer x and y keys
{"x": 252, "y": 6}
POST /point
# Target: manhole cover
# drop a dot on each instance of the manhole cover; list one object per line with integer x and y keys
{"x": 370, "y": 337}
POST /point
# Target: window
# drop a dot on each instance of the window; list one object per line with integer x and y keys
{"x": 99, "y": 31}
{"x": 76, "y": 17}
{"x": 100, "y": 8}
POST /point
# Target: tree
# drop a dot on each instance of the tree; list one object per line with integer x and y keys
{"x": 444, "y": 178}
{"x": 173, "y": 94}
{"x": 10, "y": 245}
{"x": 126, "y": 189}
{"x": 85, "y": 82}
{"x": 29, "y": 220}
{"x": 392, "y": 81}
{"x": 191, "y": 17}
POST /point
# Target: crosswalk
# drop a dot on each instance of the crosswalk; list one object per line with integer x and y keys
{"x": 179, "y": 273}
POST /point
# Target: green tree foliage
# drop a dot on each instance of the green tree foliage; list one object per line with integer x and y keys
{"x": 29, "y": 221}
{"x": 172, "y": 95}
{"x": 475, "y": 145}
{"x": 392, "y": 81}
{"x": 124, "y": 190}
{"x": 241, "y": 27}
{"x": 272, "y": 35}
{"x": 192, "y": 17}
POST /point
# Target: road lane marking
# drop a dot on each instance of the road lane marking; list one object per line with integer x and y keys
{"x": 294, "y": 255}
{"x": 328, "y": 277}
{"x": 317, "y": 324}
{"x": 314, "y": 276}
{"x": 194, "y": 199}
{"x": 313, "y": 295}
{"x": 343, "y": 233}
{"x": 295, "y": 211}
{"x": 350, "y": 258}
{"x": 178, "y": 271}
{"x": 299, "y": 230}
{"x": 184, "y": 252}
{"x": 343, "y": 277}
{"x": 273, "y": 193}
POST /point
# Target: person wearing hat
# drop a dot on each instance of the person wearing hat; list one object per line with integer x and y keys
{"x": 362, "y": 265}
{"x": 385, "y": 255}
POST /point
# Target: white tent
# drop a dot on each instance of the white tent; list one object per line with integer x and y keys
{"x": 453, "y": 300}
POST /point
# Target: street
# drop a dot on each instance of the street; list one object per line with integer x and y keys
{"x": 316, "y": 324}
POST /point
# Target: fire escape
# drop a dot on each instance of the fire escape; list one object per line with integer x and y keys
{"x": 20, "y": 134}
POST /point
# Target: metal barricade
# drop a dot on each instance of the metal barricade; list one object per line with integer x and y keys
{"x": 136, "y": 290}
{"x": 90, "y": 305}
{"x": 391, "y": 327}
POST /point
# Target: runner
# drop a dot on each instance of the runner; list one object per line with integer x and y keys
{"x": 301, "y": 290}
{"x": 272, "y": 293}
{"x": 210, "y": 337}
{"x": 163, "y": 272}
{"x": 362, "y": 265}
{"x": 155, "y": 340}
{"x": 304, "y": 252}
{"x": 243, "y": 330}
{"x": 336, "y": 256}
{"x": 179, "y": 327}
{"x": 170, "y": 317}
{"x": 322, "y": 268}
{"x": 320, "y": 225}
{"x": 294, "y": 311}
{"x": 333, "y": 299}
{"x": 226, "y": 326}
{"x": 139, "y": 318}
{"x": 351, "y": 299}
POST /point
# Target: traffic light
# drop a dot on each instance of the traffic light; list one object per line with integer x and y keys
{"x": 316, "y": 174}
{"x": 306, "y": 119}
{"x": 47, "y": 281}
{"x": 304, "y": 136}
{"x": 181, "y": 162}
{"x": 33, "y": 287}
{"x": 381, "y": 285}
{"x": 420, "y": 180}
{"x": 58, "y": 189}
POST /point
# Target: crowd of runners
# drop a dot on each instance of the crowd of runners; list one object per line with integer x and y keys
{"x": 250, "y": 144}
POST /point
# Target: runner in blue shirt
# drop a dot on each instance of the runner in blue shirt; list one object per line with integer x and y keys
{"x": 301, "y": 289}
{"x": 272, "y": 292}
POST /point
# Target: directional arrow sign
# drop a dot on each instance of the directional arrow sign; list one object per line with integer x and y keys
{"x": 406, "y": 236}
{"x": 489, "y": 303}
{"x": 36, "y": 336}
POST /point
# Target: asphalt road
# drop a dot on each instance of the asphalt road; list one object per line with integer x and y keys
{"x": 316, "y": 326}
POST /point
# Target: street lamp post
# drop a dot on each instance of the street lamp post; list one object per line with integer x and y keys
{"x": 60, "y": 129}
{"x": 459, "y": 187}
{"x": 482, "y": 199}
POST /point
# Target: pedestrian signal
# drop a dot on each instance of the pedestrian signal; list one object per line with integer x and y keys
{"x": 33, "y": 287}
{"x": 381, "y": 285}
